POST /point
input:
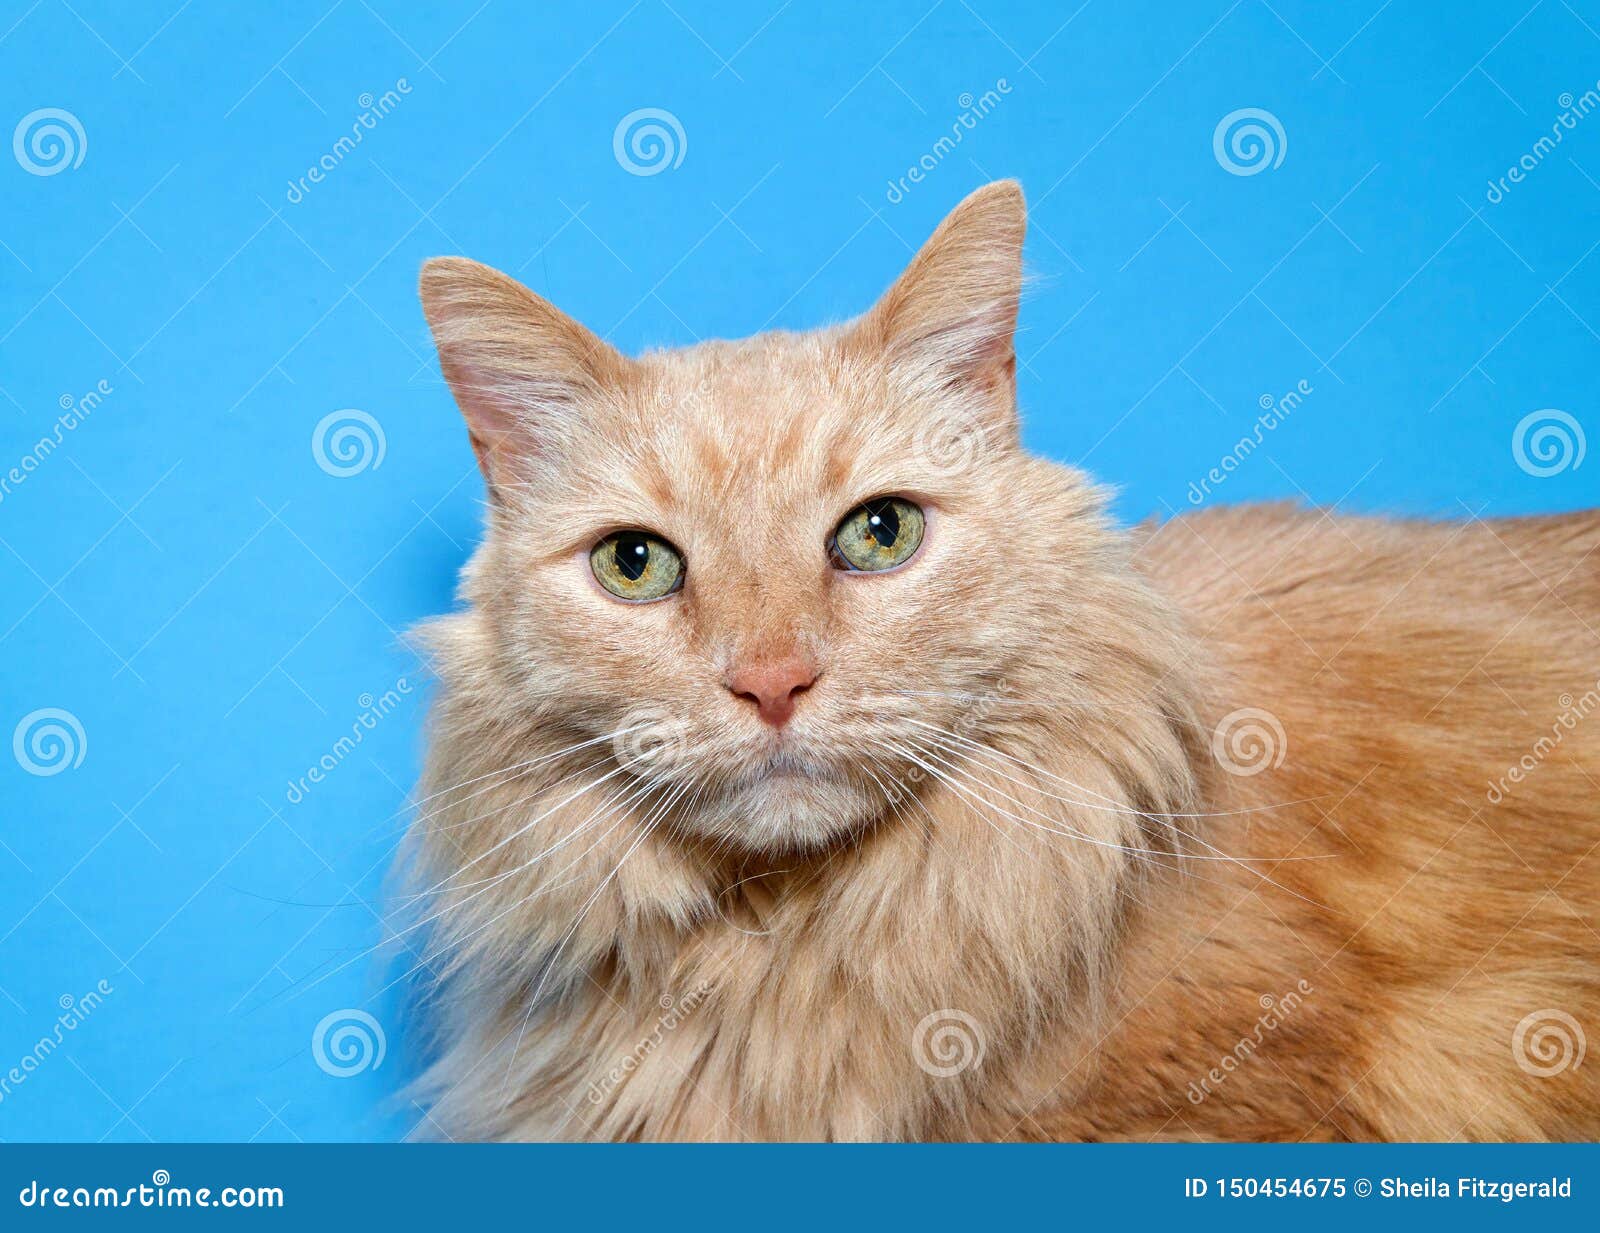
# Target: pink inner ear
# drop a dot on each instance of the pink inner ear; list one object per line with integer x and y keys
{"x": 493, "y": 427}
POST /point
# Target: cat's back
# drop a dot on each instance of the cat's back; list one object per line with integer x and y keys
{"x": 1430, "y": 693}
{"x": 1325, "y": 566}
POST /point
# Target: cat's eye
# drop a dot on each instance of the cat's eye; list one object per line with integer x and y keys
{"x": 878, "y": 535}
{"x": 636, "y": 565}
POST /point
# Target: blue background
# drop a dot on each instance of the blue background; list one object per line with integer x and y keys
{"x": 213, "y": 607}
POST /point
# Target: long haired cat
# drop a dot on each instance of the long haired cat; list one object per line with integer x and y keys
{"x": 811, "y": 762}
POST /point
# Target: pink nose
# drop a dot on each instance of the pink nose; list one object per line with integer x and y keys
{"x": 772, "y": 687}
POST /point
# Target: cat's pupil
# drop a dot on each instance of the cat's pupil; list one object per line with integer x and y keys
{"x": 632, "y": 555}
{"x": 883, "y": 521}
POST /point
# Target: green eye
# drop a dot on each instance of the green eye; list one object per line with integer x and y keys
{"x": 636, "y": 565}
{"x": 878, "y": 535}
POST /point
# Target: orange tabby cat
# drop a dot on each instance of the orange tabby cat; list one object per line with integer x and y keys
{"x": 811, "y": 762}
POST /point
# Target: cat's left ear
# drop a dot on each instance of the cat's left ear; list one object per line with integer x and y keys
{"x": 521, "y": 370}
{"x": 952, "y": 315}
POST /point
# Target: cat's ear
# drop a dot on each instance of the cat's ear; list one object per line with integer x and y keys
{"x": 953, "y": 313}
{"x": 518, "y": 366}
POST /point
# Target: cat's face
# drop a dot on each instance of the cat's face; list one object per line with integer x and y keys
{"x": 760, "y": 569}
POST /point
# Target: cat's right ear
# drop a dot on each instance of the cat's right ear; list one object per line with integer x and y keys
{"x": 518, "y": 366}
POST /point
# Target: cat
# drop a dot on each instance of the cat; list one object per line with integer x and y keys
{"x": 810, "y": 761}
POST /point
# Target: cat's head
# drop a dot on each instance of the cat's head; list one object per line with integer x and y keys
{"x": 762, "y": 573}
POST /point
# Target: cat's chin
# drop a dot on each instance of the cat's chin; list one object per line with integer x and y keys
{"x": 784, "y": 810}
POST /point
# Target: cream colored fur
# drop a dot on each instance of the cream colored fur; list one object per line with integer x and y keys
{"x": 648, "y": 915}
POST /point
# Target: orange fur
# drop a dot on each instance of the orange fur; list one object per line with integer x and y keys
{"x": 993, "y": 879}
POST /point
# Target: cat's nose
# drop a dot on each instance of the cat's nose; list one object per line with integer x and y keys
{"x": 772, "y": 686}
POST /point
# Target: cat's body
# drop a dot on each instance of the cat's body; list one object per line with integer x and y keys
{"x": 1029, "y": 860}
